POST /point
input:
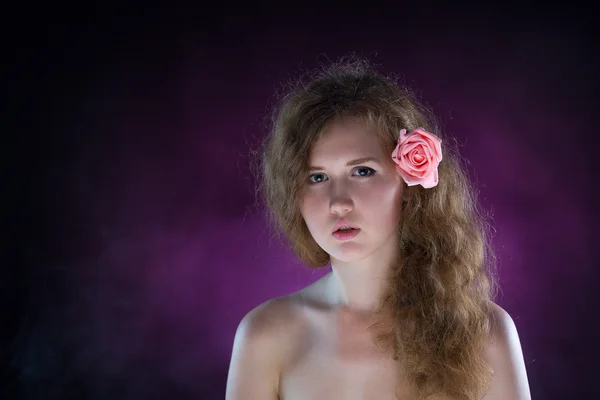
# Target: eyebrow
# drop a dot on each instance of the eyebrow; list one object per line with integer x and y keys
{"x": 350, "y": 163}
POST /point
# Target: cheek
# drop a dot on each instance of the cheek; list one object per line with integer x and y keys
{"x": 388, "y": 198}
{"x": 309, "y": 204}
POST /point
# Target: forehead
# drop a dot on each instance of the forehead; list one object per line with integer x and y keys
{"x": 347, "y": 137}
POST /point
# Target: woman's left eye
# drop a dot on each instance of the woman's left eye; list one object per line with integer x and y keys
{"x": 369, "y": 171}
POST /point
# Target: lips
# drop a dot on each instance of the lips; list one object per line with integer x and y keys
{"x": 345, "y": 234}
{"x": 343, "y": 223}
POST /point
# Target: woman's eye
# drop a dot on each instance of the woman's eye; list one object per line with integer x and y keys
{"x": 316, "y": 176}
{"x": 369, "y": 171}
{"x": 362, "y": 172}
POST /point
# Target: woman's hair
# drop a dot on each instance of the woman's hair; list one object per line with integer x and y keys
{"x": 442, "y": 284}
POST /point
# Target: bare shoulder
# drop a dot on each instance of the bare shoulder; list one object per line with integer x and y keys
{"x": 501, "y": 322}
{"x": 259, "y": 349}
{"x": 268, "y": 320}
{"x": 503, "y": 330}
{"x": 505, "y": 356}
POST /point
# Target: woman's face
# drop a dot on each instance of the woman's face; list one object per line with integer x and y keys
{"x": 366, "y": 193}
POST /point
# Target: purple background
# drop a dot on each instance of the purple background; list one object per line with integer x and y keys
{"x": 135, "y": 246}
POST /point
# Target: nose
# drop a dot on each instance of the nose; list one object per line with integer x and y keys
{"x": 340, "y": 201}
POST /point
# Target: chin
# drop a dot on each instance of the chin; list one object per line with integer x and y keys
{"x": 348, "y": 252}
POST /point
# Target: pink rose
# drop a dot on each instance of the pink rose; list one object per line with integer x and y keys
{"x": 417, "y": 156}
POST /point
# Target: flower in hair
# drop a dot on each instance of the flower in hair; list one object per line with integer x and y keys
{"x": 417, "y": 156}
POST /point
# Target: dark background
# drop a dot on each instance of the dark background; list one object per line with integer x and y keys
{"x": 133, "y": 245}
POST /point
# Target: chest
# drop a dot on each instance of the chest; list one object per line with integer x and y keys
{"x": 337, "y": 358}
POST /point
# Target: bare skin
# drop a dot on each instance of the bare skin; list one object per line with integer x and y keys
{"x": 333, "y": 355}
{"x": 301, "y": 346}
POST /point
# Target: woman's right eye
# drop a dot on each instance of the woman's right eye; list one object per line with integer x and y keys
{"x": 313, "y": 181}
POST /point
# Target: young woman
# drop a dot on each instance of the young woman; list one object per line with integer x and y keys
{"x": 357, "y": 174}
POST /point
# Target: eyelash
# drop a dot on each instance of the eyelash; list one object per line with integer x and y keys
{"x": 371, "y": 172}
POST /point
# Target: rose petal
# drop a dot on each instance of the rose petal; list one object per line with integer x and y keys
{"x": 418, "y": 157}
{"x": 417, "y": 164}
{"x": 422, "y": 151}
{"x": 402, "y": 136}
{"x": 408, "y": 146}
{"x": 410, "y": 180}
{"x": 431, "y": 181}
{"x": 436, "y": 143}
{"x": 416, "y": 172}
{"x": 429, "y": 156}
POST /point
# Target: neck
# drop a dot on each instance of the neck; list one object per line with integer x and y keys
{"x": 358, "y": 286}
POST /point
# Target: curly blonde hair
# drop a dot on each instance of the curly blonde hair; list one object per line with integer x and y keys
{"x": 442, "y": 283}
